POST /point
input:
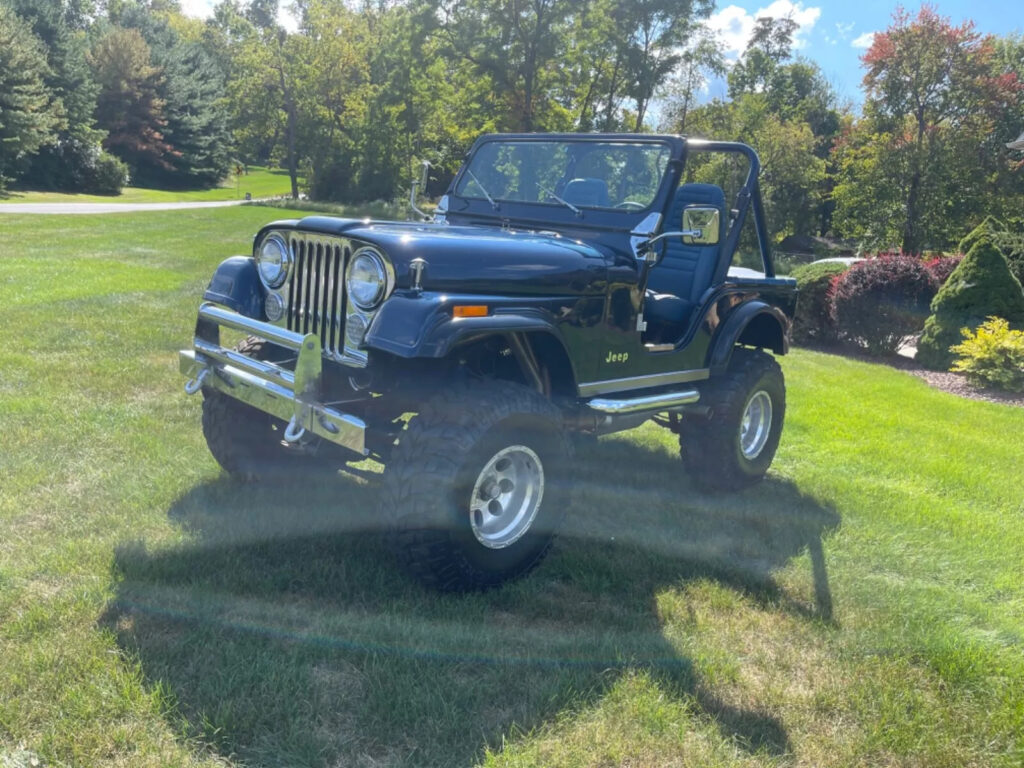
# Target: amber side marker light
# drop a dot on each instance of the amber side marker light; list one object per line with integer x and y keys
{"x": 470, "y": 310}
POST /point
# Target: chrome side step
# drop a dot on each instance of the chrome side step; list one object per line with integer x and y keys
{"x": 653, "y": 403}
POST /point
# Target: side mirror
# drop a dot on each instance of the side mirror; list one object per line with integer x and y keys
{"x": 701, "y": 225}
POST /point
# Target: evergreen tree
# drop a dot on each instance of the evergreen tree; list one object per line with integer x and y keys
{"x": 30, "y": 114}
{"x": 196, "y": 119}
{"x": 982, "y": 286}
{"x": 70, "y": 161}
{"x": 191, "y": 92}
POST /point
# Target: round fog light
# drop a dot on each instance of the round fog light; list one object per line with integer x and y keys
{"x": 355, "y": 329}
{"x": 274, "y": 307}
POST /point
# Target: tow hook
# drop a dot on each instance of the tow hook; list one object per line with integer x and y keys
{"x": 194, "y": 385}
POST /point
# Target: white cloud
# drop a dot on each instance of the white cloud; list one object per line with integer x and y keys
{"x": 200, "y": 9}
{"x": 203, "y": 9}
{"x": 863, "y": 41}
{"x": 844, "y": 30}
{"x": 734, "y": 24}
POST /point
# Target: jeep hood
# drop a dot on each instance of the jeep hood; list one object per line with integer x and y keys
{"x": 470, "y": 259}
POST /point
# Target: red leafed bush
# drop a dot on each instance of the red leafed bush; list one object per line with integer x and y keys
{"x": 942, "y": 267}
{"x": 879, "y": 303}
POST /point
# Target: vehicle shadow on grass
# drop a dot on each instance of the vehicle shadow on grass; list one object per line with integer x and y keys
{"x": 283, "y": 633}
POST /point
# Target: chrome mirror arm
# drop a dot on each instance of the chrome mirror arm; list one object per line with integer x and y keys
{"x": 420, "y": 182}
{"x": 647, "y": 245}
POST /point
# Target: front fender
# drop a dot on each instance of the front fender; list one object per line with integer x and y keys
{"x": 423, "y": 326}
{"x": 774, "y": 336}
{"x": 236, "y": 285}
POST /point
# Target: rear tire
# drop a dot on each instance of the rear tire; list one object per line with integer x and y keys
{"x": 733, "y": 446}
{"x": 476, "y": 488}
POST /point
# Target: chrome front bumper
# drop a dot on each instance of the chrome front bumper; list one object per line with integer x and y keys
{"x": 290, "y": 396}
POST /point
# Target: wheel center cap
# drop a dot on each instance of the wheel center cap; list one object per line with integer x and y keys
{"x": 490, "y": 490}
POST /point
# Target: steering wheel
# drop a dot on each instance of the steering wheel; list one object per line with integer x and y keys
{"x": 631, "y": 205}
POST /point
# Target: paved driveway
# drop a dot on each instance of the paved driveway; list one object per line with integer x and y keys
{"x": 65, "y": 208}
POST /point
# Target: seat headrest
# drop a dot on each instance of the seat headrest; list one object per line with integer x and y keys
{"x": 699, "y": 194}
{"x": 586, "y": 192}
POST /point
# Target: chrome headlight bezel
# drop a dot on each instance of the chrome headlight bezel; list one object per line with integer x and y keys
{"x": 368, "y": 301}
{"x": 284, "y": 265}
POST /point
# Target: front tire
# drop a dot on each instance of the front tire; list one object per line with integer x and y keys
{"x": 246, "y": 442}
{"x": 732, "y": 447}
{"x": 476, "y": 488}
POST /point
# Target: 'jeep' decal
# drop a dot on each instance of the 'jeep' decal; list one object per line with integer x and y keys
{"x": 617, "y": 357}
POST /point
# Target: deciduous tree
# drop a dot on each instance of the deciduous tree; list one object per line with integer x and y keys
{"x": 914, "y": 167}
{"x": 129, "y": 107}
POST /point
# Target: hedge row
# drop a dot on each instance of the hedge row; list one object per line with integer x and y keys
{"x": 876, "y": 303}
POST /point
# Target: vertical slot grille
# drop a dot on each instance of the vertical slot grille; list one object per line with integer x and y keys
{"x": 316, "y": 290}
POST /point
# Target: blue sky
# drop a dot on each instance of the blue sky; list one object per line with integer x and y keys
{"x": 835, "y": 34}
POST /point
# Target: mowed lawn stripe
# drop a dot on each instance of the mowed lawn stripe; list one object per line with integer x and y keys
{"x": 863, "y": 606}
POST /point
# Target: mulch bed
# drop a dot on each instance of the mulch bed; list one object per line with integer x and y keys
{"x": 947, "y": 381}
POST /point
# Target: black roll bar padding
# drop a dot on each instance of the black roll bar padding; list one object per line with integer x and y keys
{"x": 749, "y": 193}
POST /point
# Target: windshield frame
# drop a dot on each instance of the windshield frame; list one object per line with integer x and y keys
{"x": 555, "y": 213}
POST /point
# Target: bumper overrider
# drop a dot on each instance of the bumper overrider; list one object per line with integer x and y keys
{"x": 290, "y": 396}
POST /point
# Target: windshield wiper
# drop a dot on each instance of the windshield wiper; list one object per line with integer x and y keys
{"x": 490, "y": 199}
{"x": 566, "y": 203}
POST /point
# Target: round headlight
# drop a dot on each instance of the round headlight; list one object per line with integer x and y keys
{"x": 367, "y": 279}
{"x": 273, "y": 260}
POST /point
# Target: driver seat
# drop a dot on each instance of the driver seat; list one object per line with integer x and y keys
{"x": 685, "y": 272}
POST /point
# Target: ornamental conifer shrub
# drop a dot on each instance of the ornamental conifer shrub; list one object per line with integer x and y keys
{"x": 879, "y": 303}
{"x": 982, "y": 286}
{"x": 992, "y": 356}
{"x": 984, "y": 231}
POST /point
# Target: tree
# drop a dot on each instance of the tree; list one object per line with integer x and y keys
{"x": 770, "y": 44}
{"x": 656, "y": 32}
{"x": 196, "y": 119}
{"x": 191, "y": 89}
{"x": 514, "y": 44}
{"x": 796, "y": 92}
{"x": 30, "y": 114}
{"x": 787, "y": 111}
{"x": 699, "y": 61}
{"x": 933, "y": 102}
{"x": 70, "y": 161}
{"x": 129, "y": 108}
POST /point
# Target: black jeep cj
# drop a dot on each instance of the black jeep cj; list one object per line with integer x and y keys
{"x": 567, "y": 285}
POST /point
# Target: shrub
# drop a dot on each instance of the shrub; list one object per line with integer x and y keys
{"x": 879, "y": 303}
{"x": 107, "y": 175}
{"x": 1011, "y": 243}
{"x": 993, "y": 355}
{"x": 813, "y": 318}
{"x": 984, "y": 231}
{"x": 942, "y": 267}
{"x": 980, "y": 287}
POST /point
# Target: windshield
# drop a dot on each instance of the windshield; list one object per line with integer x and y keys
{"x": 575, "y": 174}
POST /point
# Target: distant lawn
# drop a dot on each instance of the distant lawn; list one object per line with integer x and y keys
{"x": 260, "y": 182}
{"x": 862, "y": 607}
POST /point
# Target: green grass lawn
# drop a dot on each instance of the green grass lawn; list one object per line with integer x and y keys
{"x": 259, "y": 182}
{"x": 862, "y": 607}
